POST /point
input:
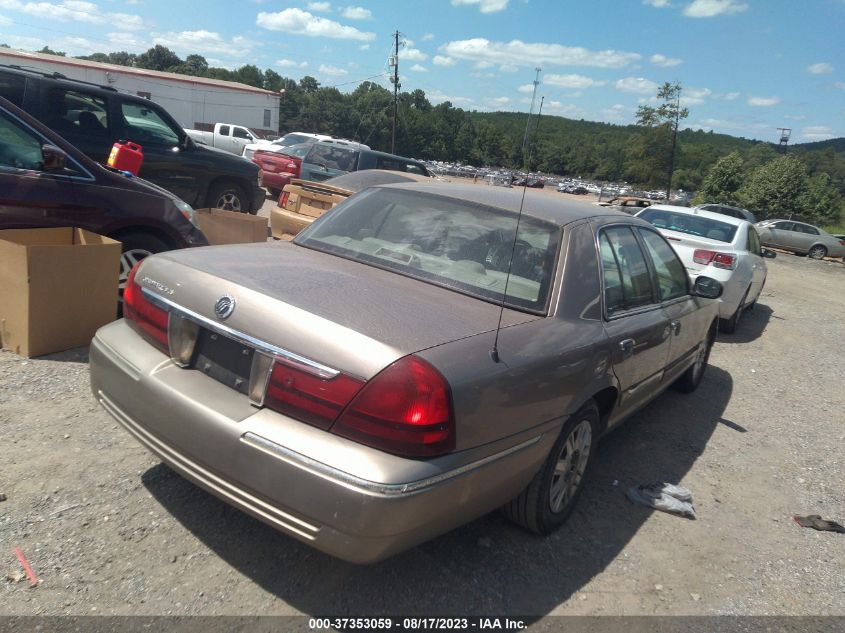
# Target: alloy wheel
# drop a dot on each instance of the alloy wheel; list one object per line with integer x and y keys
{"x": 817, "y": 252}
{"x": 128, "y": 259}
{"x": 570, "y": 466}
{"x": 229, "y": 201}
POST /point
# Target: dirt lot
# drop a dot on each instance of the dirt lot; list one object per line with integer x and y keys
{"x": 109, "y": 530}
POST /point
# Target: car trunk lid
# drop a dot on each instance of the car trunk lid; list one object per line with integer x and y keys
{"x": 344, "y": 314}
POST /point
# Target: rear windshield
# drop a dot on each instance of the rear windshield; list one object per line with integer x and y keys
{"x": 293, "y": 139}
{"x": 446, "y": 242}
{"x": 690, "y": 224}
{"x": 298, "y": 150}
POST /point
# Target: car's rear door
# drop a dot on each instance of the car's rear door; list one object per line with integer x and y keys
{"x": 636, "y": 324}
{"x": 687, "y": 323}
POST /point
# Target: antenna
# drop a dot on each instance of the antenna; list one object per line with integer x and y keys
{"x": 494, "y": 353}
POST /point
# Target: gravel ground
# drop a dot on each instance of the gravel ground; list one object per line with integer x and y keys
{"x": 109, "y": 530}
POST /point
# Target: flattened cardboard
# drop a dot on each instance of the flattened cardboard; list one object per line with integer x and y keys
{"x": 230, "y": 227}
{"x": 57, "y": 287}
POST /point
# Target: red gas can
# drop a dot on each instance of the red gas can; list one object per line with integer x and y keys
{"x": 127, "y": 156}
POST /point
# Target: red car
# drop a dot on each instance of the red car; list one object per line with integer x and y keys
{"x": 277, "y": 168}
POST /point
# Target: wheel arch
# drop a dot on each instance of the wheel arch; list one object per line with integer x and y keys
{"x": 157, "y": 232}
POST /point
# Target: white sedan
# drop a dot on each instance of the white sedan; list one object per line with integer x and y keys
{"x": 718, "y": 246}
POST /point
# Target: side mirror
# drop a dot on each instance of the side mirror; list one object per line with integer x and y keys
{"x": 707, "y": 287}
{"x": 768, "y": 254}
{"x": 53, "y": 158}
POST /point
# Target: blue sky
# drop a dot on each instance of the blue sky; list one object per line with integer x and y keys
{"x": 747, "y": 66}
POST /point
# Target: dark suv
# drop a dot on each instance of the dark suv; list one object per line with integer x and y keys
{"x": 93, "y": 117}
{"x": 46, "y": 182}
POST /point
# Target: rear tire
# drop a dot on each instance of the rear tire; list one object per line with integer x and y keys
{"x": 227, "y": 196}
{"x": 729, "y": 326}
{"x": 818, "y": 252}
{"x": 548, "y": 500}
{"x": 691, "y": 378}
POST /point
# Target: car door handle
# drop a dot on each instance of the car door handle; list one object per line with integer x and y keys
{"x": 676, "y": 327}
{"x": 627, "y": 347}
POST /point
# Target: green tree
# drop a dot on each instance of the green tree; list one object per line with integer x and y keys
{"x": 822, "y": 203}
{"x": 272, "y": 80}
{"x": 250, "y": 75}
{"x": 662, "y": 123}
{"x": 195, "y": 65}
{"x": 308, "y": 84}
{"x": 723, "y": 181}
{"x": 776, "y": 189}
{"x": 158, "y": 58}
{"x": 50, "y": 51}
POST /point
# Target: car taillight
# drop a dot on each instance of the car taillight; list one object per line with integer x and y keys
{"x": 308, "y": 397}
{"x": 406, "y": 410}
{"x": 283, "y": 199}
{"x": 719, "y": 260}
{"x": 149, "y": 320}
{"x": 291, "y": 167}
{"x": 842, "y": 242}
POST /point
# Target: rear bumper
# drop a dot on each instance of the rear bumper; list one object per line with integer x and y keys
{"x": 285, "y": 224}
{"x": 275, "y": 181}
{"x": 340, "y": 497}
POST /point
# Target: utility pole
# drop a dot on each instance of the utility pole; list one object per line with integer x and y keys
{"x": 530, "y": 112}
{"x": 674, "y": 143}
{"x": 394, "y": 61}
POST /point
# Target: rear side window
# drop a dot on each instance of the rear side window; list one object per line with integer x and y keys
{"x": 333, "y": 157}
{"x": 690, "y": 224}
{"x": 805, "y": 228}
{"x": 783, "y": 226}
{"x": 12, "y": 88}
{"x": 382, "y": 162}
{"x": 224, "y": 130}
{"x": 632, "y": 268}
{"x": 671, "y": 274}
{"x": 77, "y": 114}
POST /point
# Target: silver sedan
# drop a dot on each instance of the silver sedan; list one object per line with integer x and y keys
{"x": 800, "y": 237}
{"x": 419, "y": 356}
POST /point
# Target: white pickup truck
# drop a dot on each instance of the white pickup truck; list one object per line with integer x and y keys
{"x": 226, "y": 136}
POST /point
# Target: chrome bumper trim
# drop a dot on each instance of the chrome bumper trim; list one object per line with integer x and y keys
{"x": 222, "y": 488}
{"x": 318, "y": 369}
{"x": 365, "y": 485}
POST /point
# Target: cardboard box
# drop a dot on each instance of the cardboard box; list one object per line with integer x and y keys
{"x": 231, "y": 227}
{"x": 57, "y": 286}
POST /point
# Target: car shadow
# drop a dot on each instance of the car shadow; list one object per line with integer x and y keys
{"x": 487, "y": 566}
{"x": 752, "y": 325}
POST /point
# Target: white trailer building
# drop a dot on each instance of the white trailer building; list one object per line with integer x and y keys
{"x": 195, "y": 102}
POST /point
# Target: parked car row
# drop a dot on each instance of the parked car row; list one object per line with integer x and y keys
{"x": 295, "y": 138}
{"x": 93, "y": 117}
{"x": 47, "y": 182}
{"x": 321, "y": 160}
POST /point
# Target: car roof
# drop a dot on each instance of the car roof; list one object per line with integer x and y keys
{"x": 358, "y": 180}
{"x": 538, "y": 205}
{"x": 727, "y": 219}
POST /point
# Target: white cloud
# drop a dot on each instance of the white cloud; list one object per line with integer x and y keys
{"x": 763, "y": 101}
{"x": 203, "y": 42}
{"x": 301, "y": 22}
{"x": 4, "y": 21}
{"x": 483, "y": 65}
{"x": 412, "y": 54}
{"x": 840, "y": 85}
{"x": 562, "y": 109}
{"x": 695, "y": 96}
{"x": 712, "y": 8}
{"x": 442, "y": 60}
{"x": 660, "y": 4}
{"x": 710, "y": 124}
{"x": 289, "y": 63}
{"x": 364, "y": 47}
{"x": 666, "y": 62}
{"x": 357, "y": 13}
{"x": 499, "y": 102}
{"x": 508, "y": 68}
{"x": 427, "y": 37}
{"x": 795, "y": 117}
{"x": 617, "y": 113}
{"x": 572, "y": 81}
{"x": 521, "y": 53}
{"x": 320, "y": 7}
{"x": 436, "y": 97}
{"x": 485, "y": 6}
{"x": 526, "y": 88}
{"x": 332, "y": 71}
{"x": 75, "y": 11}
{"x": 729, "y": 96}
{"x": 637, "y": 85}
{"x": 417, "y": 68}
{"x": 822, "y": 68}
{"x": 816, "y": 133}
